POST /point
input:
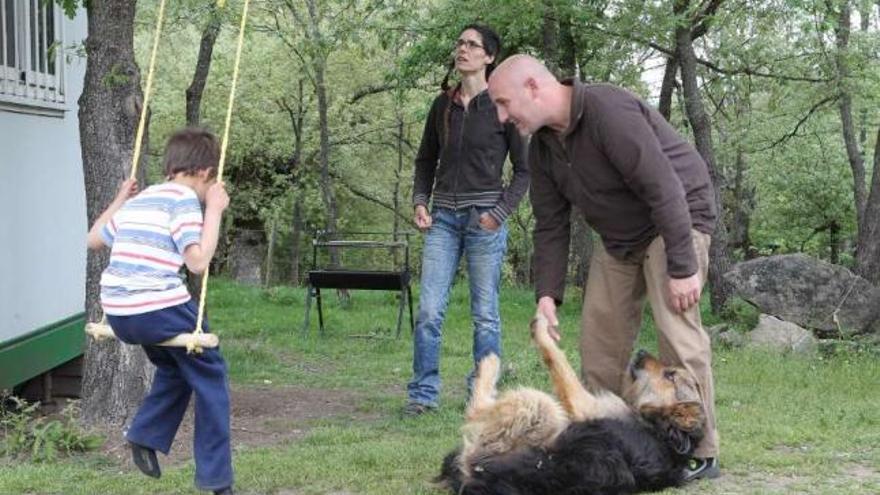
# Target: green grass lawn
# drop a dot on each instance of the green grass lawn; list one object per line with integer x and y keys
{"x": 788, "y": 424}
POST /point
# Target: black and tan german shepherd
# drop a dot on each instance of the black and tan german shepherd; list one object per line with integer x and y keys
{"x": 526, "y": 442}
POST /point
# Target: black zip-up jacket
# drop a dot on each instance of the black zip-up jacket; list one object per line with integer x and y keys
{"x": 461, "y": 158}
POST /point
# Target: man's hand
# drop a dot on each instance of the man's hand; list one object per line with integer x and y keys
{"x": 684, "y": 293}
{"x": 547, "y": 307}
{"x": 488, "y": 223}
{"x": 216, "y": 199}
{"x": 423, "y": 218}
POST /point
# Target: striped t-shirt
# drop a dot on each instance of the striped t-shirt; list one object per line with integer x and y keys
{"x": 148, "y": 236}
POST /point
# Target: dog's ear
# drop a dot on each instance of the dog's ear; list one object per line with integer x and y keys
{"x": 680, "y": 440}
{"x": 450, "y": 476}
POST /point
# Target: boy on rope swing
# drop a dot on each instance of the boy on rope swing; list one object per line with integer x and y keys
{"x": 151, "y": 235}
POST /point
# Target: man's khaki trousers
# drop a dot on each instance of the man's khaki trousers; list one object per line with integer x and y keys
{"x": 612, "y": 315}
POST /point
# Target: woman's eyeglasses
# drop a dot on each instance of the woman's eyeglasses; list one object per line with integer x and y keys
{"x": 470, "y": 44}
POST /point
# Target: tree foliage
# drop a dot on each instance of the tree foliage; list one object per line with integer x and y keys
{"x": 769, "y": 74}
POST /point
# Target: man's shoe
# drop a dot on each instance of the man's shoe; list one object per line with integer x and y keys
{"x": 702, "y": 468}
{"x": 145, "y": 459}
{"x": 413, "y": 409}
{"x": 224, "y": 491}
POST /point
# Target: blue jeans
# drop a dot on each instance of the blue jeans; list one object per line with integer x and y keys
{"x": 178, "y": 376}
{"x": 453, "y": 233}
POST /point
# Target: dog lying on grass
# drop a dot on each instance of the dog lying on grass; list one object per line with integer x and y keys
{"x": 526, "y": 442}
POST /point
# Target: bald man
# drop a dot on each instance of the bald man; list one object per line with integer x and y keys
{"x": 647, "y": 192}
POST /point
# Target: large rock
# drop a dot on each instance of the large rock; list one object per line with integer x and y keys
{"x": 809, "y": 292}
{"x": 784, "y": 336}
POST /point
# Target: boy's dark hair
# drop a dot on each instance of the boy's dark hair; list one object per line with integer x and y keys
{"x": 190, "y": 150}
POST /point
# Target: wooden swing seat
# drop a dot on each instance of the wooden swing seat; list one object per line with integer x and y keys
{"x": 100, "y": 331}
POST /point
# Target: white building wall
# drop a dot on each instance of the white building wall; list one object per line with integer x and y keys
{"x": 42, "y": 206}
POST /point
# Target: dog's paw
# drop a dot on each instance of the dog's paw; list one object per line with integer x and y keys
{"x": 540, "y": 328}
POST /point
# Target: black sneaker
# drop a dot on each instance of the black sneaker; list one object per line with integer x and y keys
{"x": 699, "y": 468}
{"x": 413, "y": 409}
{"x": 145, "y": 459}
{"x": 224, "y": 491}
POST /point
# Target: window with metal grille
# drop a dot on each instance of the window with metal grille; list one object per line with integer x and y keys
{"x": 31, "y": 70}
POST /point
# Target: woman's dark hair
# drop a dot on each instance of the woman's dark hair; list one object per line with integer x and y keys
{"x": 491, "y": 45}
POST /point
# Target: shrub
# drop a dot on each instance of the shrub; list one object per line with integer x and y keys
{"x": 27, "y": 434}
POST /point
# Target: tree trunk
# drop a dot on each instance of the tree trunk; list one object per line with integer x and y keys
{"x": 203, "y": 66}
{"x": 581, "y": 248}
{"x": 327, "y": 195}
{"x": 667, "y": 88}
{"x": 550, "y": 37}
{"x": 295, "y": 239}
{"x": 744, "y": 197}
{"x": 270, "y": 254}
{"x": 398, "y": 177}
{"x": 864, "y": 24}
{"x": 320, "y": 66}
{"x": 298, "y": 222}
{"x": 115, "y": 376}
{"x": 521, "y": 254}
{"x": 297, "y": 117}
{"x": 719, "y": 252}
{"x": 699, "y": 27}
{"x": 844, "y": 103}
{"x": 193, "y": 111}
{"x": 834, "y": 242}
{"x": 868, "y": 252}
{"x": 567, "y": 46}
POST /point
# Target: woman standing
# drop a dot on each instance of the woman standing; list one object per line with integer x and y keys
{"x": 459, "y": 165}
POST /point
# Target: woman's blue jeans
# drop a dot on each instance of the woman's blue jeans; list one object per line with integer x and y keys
{"x": 455, "y": 233}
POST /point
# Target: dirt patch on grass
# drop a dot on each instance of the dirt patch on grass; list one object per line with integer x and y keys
{"x": 738, "y": 483}
{"x": 862, "y": 473}
{"x": 261, "y": 416}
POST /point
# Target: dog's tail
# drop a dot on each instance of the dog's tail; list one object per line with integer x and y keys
{"x": 483, "y": 394}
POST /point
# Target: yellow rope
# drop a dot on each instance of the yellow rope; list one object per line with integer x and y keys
{"x": 146, "y": 103}
{"x": 192, "y": 347}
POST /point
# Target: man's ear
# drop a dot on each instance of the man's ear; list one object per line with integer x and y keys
{"x": 532, "y": 86}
